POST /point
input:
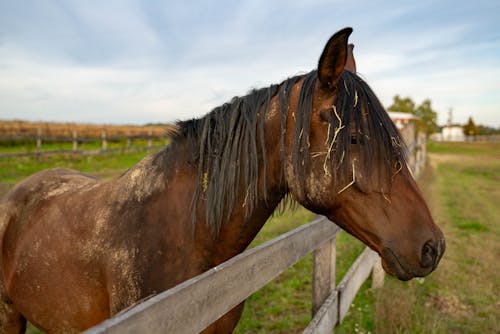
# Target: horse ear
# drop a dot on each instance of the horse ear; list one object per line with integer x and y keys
{"x": 333, "y": 59}
{"x": 350, "y": 64}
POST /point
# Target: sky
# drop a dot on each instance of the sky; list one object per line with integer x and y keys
{"x": 137, "y": 62}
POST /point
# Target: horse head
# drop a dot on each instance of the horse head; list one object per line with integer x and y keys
{"x": 347, "y": 161}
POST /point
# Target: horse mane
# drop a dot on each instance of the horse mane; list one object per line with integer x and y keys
{"x": 229, "y": 150}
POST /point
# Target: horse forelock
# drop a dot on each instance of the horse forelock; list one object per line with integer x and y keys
{"x": 366, "y": 124}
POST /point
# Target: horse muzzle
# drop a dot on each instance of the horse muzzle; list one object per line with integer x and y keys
{"x": 397, "y": 265}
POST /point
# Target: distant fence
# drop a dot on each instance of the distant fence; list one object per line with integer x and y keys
{"x": 39, "y": 140}
{"x": 484, "y": 138}
{"x": 196, "y": 303}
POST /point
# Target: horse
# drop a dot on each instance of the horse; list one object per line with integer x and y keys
{"x": 76, "y": 250}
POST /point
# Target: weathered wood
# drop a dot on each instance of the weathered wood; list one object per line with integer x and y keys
{"x": 326, "y": 318}
{"x": 129, "y": 141}
{"x": 75, "y": 141}
{"x": 378, "y": 274}
{"x": 353, "y": 280}
{"x": 104, "y": 141}
{"x": 323, "y": 274}
{"x": 194, "y": 304}
{"x": 39, "y": 139}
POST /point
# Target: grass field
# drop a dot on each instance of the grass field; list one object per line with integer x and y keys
{"x": 30, "y": 146}
{"x": 462, "y": 185}
{"x": 17, "y": 137}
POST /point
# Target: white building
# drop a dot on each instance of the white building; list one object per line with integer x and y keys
{"x": 401, "y": 119}
{"x": 415, "y": 141}
{"x": 452, "y": 132}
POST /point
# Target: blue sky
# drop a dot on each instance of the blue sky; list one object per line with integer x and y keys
{"x": 158, "y": 61}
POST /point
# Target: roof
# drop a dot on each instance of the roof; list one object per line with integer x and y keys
{"x": 396, "y": 115}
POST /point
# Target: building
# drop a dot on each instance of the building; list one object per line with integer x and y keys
{"x": 401, "y": 119}
{"x": 452, "y": 132}
{"x": 415, "y": 141}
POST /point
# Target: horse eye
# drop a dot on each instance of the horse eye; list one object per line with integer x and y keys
{"x": 324, "y": 115}
{"x": 354, "y": 139}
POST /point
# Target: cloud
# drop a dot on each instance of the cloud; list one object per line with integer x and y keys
{"x": 136, "y": 61}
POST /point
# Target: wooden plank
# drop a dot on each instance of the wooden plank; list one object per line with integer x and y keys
{"x": 326, "y": 318}
{"x": 378, "y": 274}
{"x": 39, "y": 138}
{"x": 323, "y": 274}
{"x": 353, "y": 280}
{"x": 194, "y": 304}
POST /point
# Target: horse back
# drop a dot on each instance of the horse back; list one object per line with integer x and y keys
{"x": 35, "y": 227}
{"x": 29, "y": 195}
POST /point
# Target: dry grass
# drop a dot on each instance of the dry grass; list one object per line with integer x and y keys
{"x": 23, "y": 128}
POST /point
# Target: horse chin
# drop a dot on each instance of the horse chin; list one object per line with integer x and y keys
{"x": 393, "y": 266}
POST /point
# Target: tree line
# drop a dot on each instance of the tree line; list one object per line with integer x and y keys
{"x": 427, "y": 117}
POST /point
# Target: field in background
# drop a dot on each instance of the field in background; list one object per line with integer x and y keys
{"x": 28, "y": 138}
{"x": 462, "y": 185}
{"x": 53, "y": 129}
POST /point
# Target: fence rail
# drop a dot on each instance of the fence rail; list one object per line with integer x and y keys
{"x": 39, "y": 141}
{"x": 194, "y": 304}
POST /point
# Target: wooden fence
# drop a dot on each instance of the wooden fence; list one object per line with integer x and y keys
{"x": 196, "y": 303}
{"x": 104, "y": 139}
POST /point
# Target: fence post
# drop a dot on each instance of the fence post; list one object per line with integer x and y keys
{"x": 378, "y": 274}
{"x": 423, "y": 149}
{"x": 323, "y": 273}
{"x": 150, "y": 142}
{"x": 129, "y": 141}
{"x": 39, "y": 139}
{"x": 104, "y": 141}
{"x": 75, "y": 141}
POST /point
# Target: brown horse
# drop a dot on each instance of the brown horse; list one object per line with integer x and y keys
{"x": 76, "y": 250}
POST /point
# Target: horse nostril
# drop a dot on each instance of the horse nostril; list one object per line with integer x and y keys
{"x": 441, "y": 249}
{"x": 429, "y": 254}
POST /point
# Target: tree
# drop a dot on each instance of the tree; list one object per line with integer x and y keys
{"x": 470, "y": 129}
{"x": 402, "y": 105}
{"x": 427, "y": 118}
{"x": 487, "y": 130}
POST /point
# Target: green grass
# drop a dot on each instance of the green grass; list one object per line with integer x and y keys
{"x": 461, "y": 296}
{"x": 15, "y": 169}
{"x": 467, "y": 149}
{"x": 30, "y": 146}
